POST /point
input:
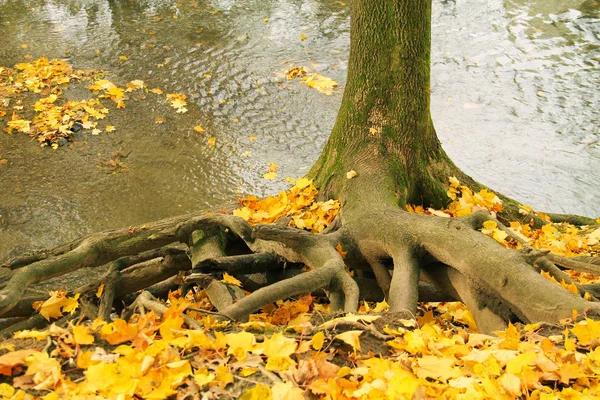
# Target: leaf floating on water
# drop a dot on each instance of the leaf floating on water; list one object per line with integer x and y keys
{"x": 322, "y": 83}
{"x": 178, "y": 102}
{"x": 135, "y": 85}
{"x": 296, "y": 72}
{"x": 316, "y": 81}
{"x": 270, "y": 176}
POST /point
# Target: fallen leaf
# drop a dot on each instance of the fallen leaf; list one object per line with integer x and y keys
{"x": 351, "y": 338}
{"x": 230, "y": 280}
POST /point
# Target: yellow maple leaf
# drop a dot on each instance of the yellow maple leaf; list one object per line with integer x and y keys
{"x": 587, "y": 332}
{"x": 520, "y": 362}
{"x": 351, "y": 338}
{"x": 212, "y": 142}
{"x": 593, "y": 360}
{"x": 490, "y": 228}
{"x": 287, "y": 391}
{"x": 279, "y": 345}
{"x": 202, "y": 379}
{"x": 230, "y": 280}
{"x": 270, "y": 176}
{"x": 258, "y": 392}
{"x": 243, "y": 212}
{"x": 247, "y": 371}
{"x": 437, "y": 367}
{"x": 71, "y": 304}
{"x": 46, "y": 370}
{"x": 381, "y": 306}
{"x": 116, "y": 92}
{"x": 135, "y": 85}
{"x": 199, "y": 129}
{"x": 279, "y": 363}
{"x": 53, "y": 307}
{"x": 88, "y": 124}
{"x": 110, "y": 128}
{"x": 6, "y": 391}
{"x": 118, "y": 332}
{"x": 224, "y": 377}
{"x": 511, "y": 383}
{"x": 569, "y": 343}
{"x": 240, "y": 344}
{"x": 81, "y": 334}
{"x": 511, "y": 336}
{"x": 322, "y": 83}
{"x": 317, "y": 340}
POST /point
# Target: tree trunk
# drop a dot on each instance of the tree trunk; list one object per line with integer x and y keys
{"x": 384, "y": 129}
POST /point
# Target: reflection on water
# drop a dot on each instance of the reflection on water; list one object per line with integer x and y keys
{"x": 515, "y": 97}
{"x": 514, "y": 102}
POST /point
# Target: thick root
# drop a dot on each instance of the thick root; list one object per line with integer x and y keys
{"x": 497, "y": 284}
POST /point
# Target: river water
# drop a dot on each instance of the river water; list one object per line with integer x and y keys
{"x": 514, "y": 98}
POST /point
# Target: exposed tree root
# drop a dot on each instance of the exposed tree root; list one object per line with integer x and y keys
{"x": 400, "y": 249}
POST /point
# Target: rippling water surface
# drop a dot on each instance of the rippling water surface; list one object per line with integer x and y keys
{"x": 514, "y": 92}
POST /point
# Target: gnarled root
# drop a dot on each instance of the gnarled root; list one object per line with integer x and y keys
{"x": 396, "y": 247}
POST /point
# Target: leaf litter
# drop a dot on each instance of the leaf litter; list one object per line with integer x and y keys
{"x": 296, "y": 349}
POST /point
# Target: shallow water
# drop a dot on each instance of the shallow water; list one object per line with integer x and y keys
{"x": 514, "y": 100}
